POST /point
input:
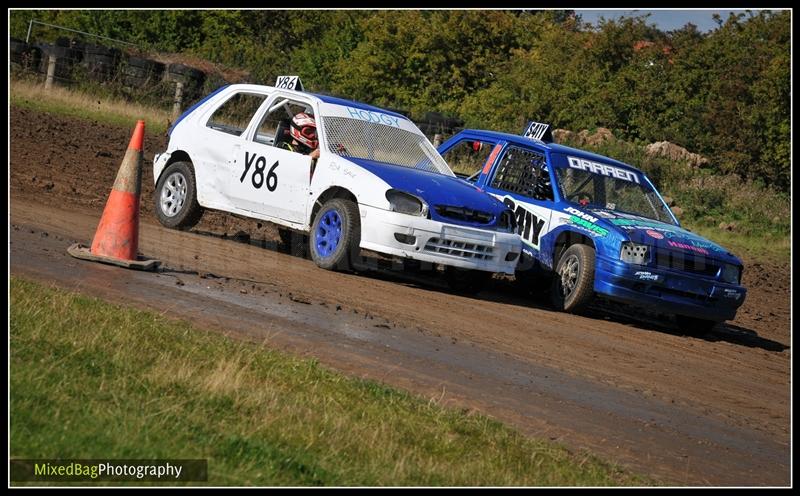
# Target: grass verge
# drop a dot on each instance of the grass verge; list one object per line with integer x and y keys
{"x": 63, "y": 101}
{"x": 94, "y": 380}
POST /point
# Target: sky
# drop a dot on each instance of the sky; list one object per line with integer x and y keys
{"x": 665, "y": 20}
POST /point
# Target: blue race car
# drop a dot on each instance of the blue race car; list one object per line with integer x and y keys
{"x": 593, "y": 225}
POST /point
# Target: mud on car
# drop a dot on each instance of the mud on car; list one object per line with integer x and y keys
{"x": 591, "y": 225}
{"x": 378, "y": 183}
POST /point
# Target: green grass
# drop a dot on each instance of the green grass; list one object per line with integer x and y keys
{"x": 63, "y": 101}
{"x": 94, "y": 380}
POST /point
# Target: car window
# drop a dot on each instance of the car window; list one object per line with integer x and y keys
{"x": 279, "y": 118}
{"x": 233, "y": 116}
{"x": 468, "y": 157}
{"x": 524, "y": 171}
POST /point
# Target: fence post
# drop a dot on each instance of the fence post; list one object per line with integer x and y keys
{"x": 176, "y": 104}
{"x": 51, "y": 72}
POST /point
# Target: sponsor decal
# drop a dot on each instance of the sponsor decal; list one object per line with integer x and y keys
{"x": 603, "y": 169}
{"x": 639, "y": 223}
{"x": 731, "y": 293}
{"x": 582, "y": 215}
{"x": 370, "y": 116}
{"x": 647, "y": 276}
{"x": 604, "y": 214}
{"x": 593, "y": 229}
{"x": 585, "y": 221}
{"x": 684, "y": 246}
{"x": 654, "y": 234}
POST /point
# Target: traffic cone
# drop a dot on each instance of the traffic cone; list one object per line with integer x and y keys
{"x": 116, "y": 240}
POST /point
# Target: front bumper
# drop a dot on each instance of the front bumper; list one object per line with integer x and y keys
{"x": 668, "y": 291}
{"x": 437, "y": 242}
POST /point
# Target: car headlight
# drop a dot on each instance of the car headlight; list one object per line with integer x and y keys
{"x": 634, "y": 254}
{"x": 405, "y": 203}
{"x": 732, "y": 274}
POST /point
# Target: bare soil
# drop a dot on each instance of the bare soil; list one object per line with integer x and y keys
{"x": 712, "y": 409}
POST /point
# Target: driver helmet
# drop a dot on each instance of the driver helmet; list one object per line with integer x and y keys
{"x": 303, "y": 130}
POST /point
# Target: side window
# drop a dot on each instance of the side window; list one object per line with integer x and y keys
{"x": 468, "y": 157}
{"x": 234, "y": 115}
{"x": 274, "y": 127}
{"x": 524, "y": 172}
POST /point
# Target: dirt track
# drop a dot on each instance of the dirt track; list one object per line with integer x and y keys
{"x": 637, "y": 393}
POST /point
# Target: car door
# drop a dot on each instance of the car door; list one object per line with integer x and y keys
{"x": 522, "y": 180}
{"x": 272, "y": 181}
{"x": 214, "y": 146}
{"x": 469, "y": 157}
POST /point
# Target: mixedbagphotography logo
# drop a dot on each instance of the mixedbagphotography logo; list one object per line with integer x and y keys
{"x": 27, "y": 470}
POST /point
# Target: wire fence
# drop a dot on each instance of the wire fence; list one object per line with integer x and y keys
{"x": 102, "y": 66}
{"x": 114, "y": 68}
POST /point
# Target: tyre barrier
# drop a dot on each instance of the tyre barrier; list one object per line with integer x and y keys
{"x": 138, "y": 72}
{"x": 26, "y": 56}
{"x": 191, "y": 78}
{"x": 74, "y": 49}
{"x": 100, "y": 62}
{"x": 433, "y": 123}
{"x": 64, "y": 60}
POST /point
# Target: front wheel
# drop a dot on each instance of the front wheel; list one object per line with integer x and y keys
{"x": 335, "y": 235}
{"x": 176, "y": 197}
{"x": 573, "y": 284}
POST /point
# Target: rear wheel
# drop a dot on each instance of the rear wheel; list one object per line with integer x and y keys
{"x": 176, "y": 197}
{"x": 573, "y": 284}
{"x": 335, "y": 235}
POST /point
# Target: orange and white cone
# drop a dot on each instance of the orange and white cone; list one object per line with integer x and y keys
{"x": 116, "y": 240}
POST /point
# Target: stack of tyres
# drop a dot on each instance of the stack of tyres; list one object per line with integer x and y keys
{"x": 139, "y": 72}
{"x": 23, "y": 55}
{"x": 100, "y": 62}
{"x": 65, "y": 60}
{"x": 191, "y": 78}
{"x": 435, "y": 123}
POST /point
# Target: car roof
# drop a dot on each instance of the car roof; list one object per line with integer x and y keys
{"x": 322, "y": 98}
{"x": 520, "y": 140}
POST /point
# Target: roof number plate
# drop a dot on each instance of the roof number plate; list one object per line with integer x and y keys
{"x": 289, "y": 83}
{"x": 538, "y": 131}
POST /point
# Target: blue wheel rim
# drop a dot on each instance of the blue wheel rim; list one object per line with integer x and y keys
{"x": 328, "y": 233}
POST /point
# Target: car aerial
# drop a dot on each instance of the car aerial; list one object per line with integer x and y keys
{"x": 591, "y": 225}
{"x": 378, "y": 183}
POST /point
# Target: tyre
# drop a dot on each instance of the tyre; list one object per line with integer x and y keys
{"x": 176, "y": 197}
{"x": 573, "y": 283}
{"x": 335, "y": 235}
{"x": 692, "y": 326}
{"x": 466, "y": 281}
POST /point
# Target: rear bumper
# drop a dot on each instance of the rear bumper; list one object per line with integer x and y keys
{"x": 668, "y": 291}
{"x": 437, "y": 242}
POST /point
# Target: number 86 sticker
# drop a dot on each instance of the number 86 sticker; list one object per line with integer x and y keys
{"x": 258, "y": 172}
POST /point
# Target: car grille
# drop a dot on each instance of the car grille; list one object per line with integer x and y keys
{"x": 460, "y": 249}
{"x": 464, "y": 214}
{"x": 699, "y": 265}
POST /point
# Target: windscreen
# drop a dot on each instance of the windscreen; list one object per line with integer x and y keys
{"x": 595, "y": 185}
{"x": 360, "y": 138}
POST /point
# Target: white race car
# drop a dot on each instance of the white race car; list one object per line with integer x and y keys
{"x": 378, "y": 183}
